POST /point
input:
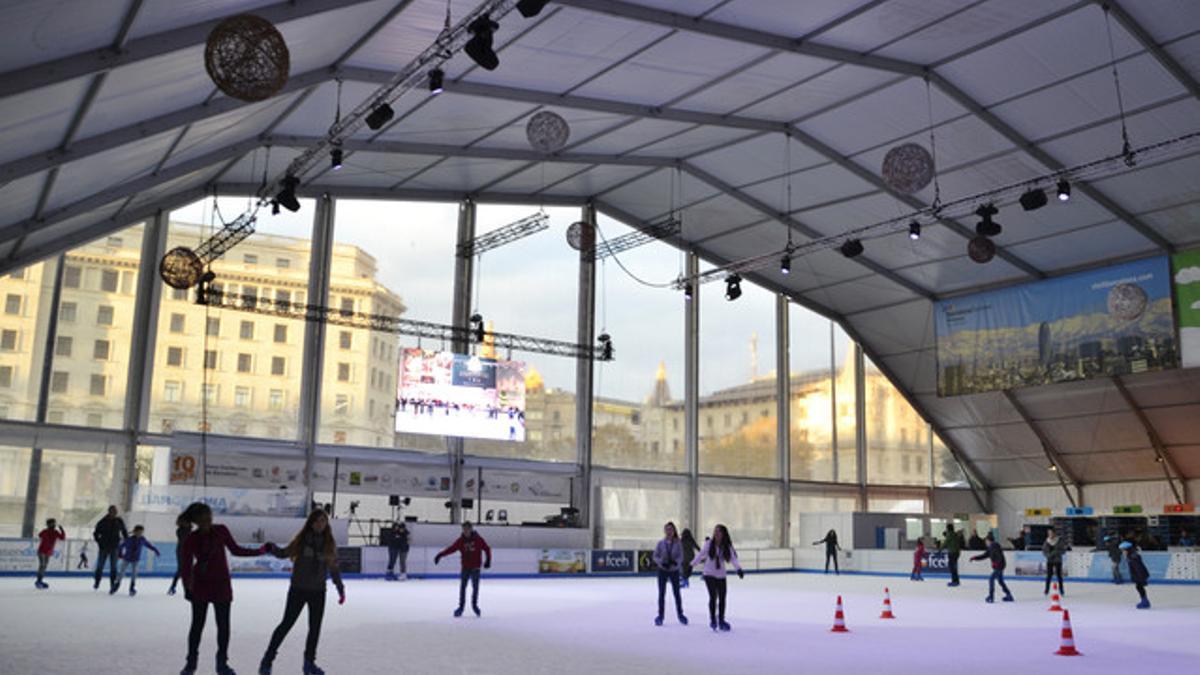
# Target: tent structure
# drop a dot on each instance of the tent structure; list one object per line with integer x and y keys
{"x": 108, "y": 116}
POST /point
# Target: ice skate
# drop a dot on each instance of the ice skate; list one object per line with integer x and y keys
{"x": 658, "y": 621}
{"x": 264, "y": 668}
{"x": 389, "y": 577}
{"x": 171, "y": 591}
{"x": 682, "y": 618}
{"x": 712, "y": 623}
{"x": 1145, "y": 604}
{"x": 132, "y": 592}
{"x": 404, "y": 577}
{"x": 989, "y": 599}
{"x": 225, "y": 670}
{"x": 311, "y": 668}
{"x": 475, "y": 608}
{"x": 1009, "y": 598}
{"x": 725, "y": 627}
{"x": 458, "y": 612}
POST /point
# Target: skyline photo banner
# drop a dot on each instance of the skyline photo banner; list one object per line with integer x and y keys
{"x": 1185, "y": 268}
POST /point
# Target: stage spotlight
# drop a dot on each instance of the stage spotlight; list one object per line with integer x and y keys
{"x": 381, "y": 115}
{"x": 476, "y": 327}
{"x": 1064, "y": 191}
{"x": 852, "y": 248}
{"x": 733, "y": 287}
{"x": 986, "y": 226}
{"x": 274, "y": 207}
{"x": 529, "y": 8}
{"x": 287, "y": 196}
{"x": 914, "y": 230}
{"x": 687, "y": 291}
{"x": 1033, "y": 200}
{"x": 335, "y": 158}
{"x": 437, "y": 78}
{"x": 606, "y": 347}
{"x": 785, "y": 265}
{"x": 479, "y": 47}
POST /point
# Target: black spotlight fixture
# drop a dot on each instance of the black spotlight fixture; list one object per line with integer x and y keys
{"x": 381, "y": 115}
{"x": 476, "y": 327}
{"x": 479, "y": 47}
{"x": 335, "y": 158}
{"x": 733, "y": 287}
{"x": 914, "y": 230}
{"x": 986, "y": 226}
{"x": 287, "y": 196}
{"x": 785, "y": 265}
{"x": 1064, "y": 191}
{"x": 1033, "y": 199}
{"x": 437, "y": 77}
{"x": 852, "y": 248}
{"x": 606, "y": 347}
{"x": 274, "y": 207}
{"x": 687, "y": 291}
{"x": 529, "y": 8}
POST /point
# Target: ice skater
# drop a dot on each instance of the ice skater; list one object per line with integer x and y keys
{"x": 717, "y": 555}
{"x": 398, "y": 551}
{"x": 471, "y": 548}
{"x": 206, "y": 581}
{"x": 996, "y": 555}
{"x": 1137, "y": 571}
{"x": 918, "y": 560}
{"x": 1112, "y": 544}
{"x": 1053, "y": 548}
{"x": 83, "y": 559}
{"x": 953, "y": 544}
{"x": 183, "y": 527}
{"x": 668, "y": 558}
{"x": 131, "y": 556}
{"x": 109, "y": 533}
{"x": 831, "y": 549}
{"x": 690, "y": 549}
{"x": 47, "y": 539}
{"x": 314, "y": 558}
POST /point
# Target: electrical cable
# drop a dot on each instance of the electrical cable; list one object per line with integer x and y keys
{"x": 1126, "y": 148}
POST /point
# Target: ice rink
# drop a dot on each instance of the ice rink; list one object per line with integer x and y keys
{"x": 780, "y": 623}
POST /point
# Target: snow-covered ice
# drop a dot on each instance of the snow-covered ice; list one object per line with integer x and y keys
{"x": 780, "y": 625}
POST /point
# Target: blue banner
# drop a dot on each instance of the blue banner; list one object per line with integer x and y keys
{"x": 1099, "y": 323}
{"x": 613, "y": 561}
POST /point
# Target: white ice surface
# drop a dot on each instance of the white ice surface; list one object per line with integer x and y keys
{"x": 564, "y": 626}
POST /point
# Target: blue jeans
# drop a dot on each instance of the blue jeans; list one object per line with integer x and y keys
{"x": 998, "y": 576}
{"x": 663, "y": 577}
{"x": 473, "y": 577}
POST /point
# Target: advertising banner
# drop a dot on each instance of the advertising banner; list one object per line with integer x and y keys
{"x": 607, "y": 562}
{"x": 1029, "y": 564}
{"x": 937, "y": 560}
{"x": 223, "y": 501}
{"x": 1099, "y": 323}
{"x": 521, "y": 487}
{"x": 237, "y": 471}
{"x": 562, "y": 561}
{"x": 284, "y": 474}
{"x": 645, "y": 560}
{"x": 450, "y": 394}
{"x": 1185, "y": 270}
{"x": 20, "y": 555}
{"x": 384, "y": 479}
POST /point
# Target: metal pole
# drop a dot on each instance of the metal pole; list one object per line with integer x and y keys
{"x": 43, "y": 403}
{"x": 860, "y": 425}
{"x": 464, "y": 281}
{"x": 783, "y": 392}
{"x": 314, "y": 339}
{"x": 691, "y": 389}
{"x": 833, "y": 406}
{"x": 585, "y": 368}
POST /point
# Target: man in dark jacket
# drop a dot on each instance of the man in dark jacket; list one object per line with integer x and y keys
{"x": 109, "y": 533}
{"x": 952, "y": 543}
{"x": 1112, "y": 544}
{"x": 472, "y": 549}
{"x": 996, "y": 555}
{"x": 1053, "y": 548}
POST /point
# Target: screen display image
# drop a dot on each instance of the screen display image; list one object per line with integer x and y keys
{"x": 450, "y": 394}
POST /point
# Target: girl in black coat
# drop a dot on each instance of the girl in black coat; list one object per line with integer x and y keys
{"x": 1137, "y": 571}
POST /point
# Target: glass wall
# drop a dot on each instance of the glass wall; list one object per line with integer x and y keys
{"x": 845, "y": 465}
{"x": 899, "y": 441}
{"x": 14, "y": 481}
{"x": 76, "y": 487}
{"x": 811, "y": 371}
{"x": 638, "y": 406}
{"x": 805, "y": 502}
{"x": 946, "y": 470}
{"x": 26, "y": 294}
{"x": 738, "y": 397}
{"x": 749, "y": 510}
{"x": 633, "y": 509}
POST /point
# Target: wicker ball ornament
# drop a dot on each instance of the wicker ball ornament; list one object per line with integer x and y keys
{"x": 908, "y": 168}
{"x": 547, "y": 131}
{"x": 247, "y": 58}
{"x": 180, "y": 268}
{"x": 981, "y": 249}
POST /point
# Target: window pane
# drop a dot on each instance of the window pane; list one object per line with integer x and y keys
{"x": 634, "y": 509}
{"x": 897, "y": 504}
{"x": 14, "y": 477}
{"x": 637, "y": 414}
{"x": 228, "y": 356}
{"x": 738, "y": 399}
{"x": 946, "y": 470}
{"x": 24, "y": 346}
{"x": 811, "y": 371}
{"x": 898, "y": 438}
{"x": 845, "y": 467}
{"x": 750, "y": 511}
{"x": 75, "y": 488}
{"x": 806, "y": 502}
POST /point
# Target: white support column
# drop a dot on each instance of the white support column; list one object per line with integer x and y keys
{"x": 312, "y": 367}
{"x": 691, "y": 389}
{"x": 860, "y": 425}
{"x": 783, "y": 390}
{"x": 585, "y": 367}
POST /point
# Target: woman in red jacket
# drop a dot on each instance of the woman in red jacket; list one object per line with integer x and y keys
{"x": 205, "y": 573}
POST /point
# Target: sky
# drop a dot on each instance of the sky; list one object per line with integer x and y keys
{"x": 531, "y": 287}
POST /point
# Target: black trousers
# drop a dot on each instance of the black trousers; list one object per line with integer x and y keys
{"x": 111, "y": 555}
{"x": 953, "y": 558}
{"x": 716, "y": 598}
{"x": 199, "y": 618}
{"x": 395, "y": 554}
{"x": 1141, "y": 589}
{"x": 463, "y": 578}
{"x": 831, "y": 554}
{"x": 296, "y": 600}
{"x": 663, "y": 577}
{"x": 1053, "y": 568}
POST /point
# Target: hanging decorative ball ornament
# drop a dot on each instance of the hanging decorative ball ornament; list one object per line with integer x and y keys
{"x": 576, "y": 234}
{"x": 981, "y": 249}
{"x": 547, "y": 131}
{"x": 908, "y": 168}
{"x": 247, "y": 58}
{"x": 180, "y": 268}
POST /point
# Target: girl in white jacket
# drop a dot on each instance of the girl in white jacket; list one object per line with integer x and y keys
{"x": 717, "y": 555}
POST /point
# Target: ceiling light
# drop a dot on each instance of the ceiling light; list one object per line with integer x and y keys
{"x": 381, "y": 115}
{"x": 436, "y": 79}
{"x": 851, "y": 248}
{"x": 479, "y": 47}
{"x": 1052, "y": 467}
{"x": 733, "y": 287}
{"x": 986, "y": 226}
{"x": 1064, "y": 191}
{"x": 785, "y": 265}
{"x": 914, "y": 230}
{"x": 687, "y": 291}
{"x": 529, "y": 8}
{"x": 287, "y": 196}
{"x": 335, "y": 158}
{"x": 1033, "y": 200}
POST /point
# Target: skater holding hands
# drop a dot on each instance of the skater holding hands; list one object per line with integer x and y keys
{"x": 668, "y": 557}
{"x": 717, "y": 555}
{"x": 472, "y": 549}
{"x": 47, "y": 539}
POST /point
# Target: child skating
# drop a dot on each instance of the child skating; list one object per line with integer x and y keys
{"x": 918, "y": 561}
{"x": 83, "y": 558}
{"x": 471, "y": 548}
{"x": 47, "y": 539}
{"x": 996, "y": 555}
{"x": 668, "y": 557}
{"x": 182, "y": 529}
{"x": 314, "y": 558}
{"x": 1137, "y": 571}
{"x": 131, "y": 556}
{"x": 717, "y": 555}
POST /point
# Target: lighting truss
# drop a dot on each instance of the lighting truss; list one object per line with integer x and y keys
{"x": 522, "y": 228}
{"x": 1106, "y": 167}
{"x": 206, "y": 295}
{"x": 664, "y": 230}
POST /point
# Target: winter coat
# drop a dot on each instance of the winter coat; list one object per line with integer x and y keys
{"x": 1114, "y": 550}
{"x": 48, "y": 538}
{"x": 1054, "y": 552}
{"x": 131, "y": 548}
{"x": 1137, "y": 568}
{"x": 690, "y": 548}
{"x": 714, "y": 566}
{"x": 109, "y": 532}
{"x": 310, "y": 567}
{"x": 204, "y": 568}
{"x": 996, "y": 554}
{"x": 952, "y": 542}
{"x": 181, "y": 535}
{"x": 918, "y": 555}
{"x": 668, "y": 554}
{"x": 830, "y": 541}
{"x": 472, "y": 551}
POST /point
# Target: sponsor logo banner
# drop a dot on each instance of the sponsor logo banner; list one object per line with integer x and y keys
{"x": 605, "y": 561}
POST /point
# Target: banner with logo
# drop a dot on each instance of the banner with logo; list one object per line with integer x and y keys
{"x": 1029, "y": 564}
{"x": 562, "y": 561}
{"x": 645, "y": 561}
{"x": 1185, "y": 271}
{"x": 609, "y": 562}
{"x": 384, "y": 479}
{"x": 936, "y": 560}
{"x": 223, "y": 501}
{"x": 20, "y": 555}
{"x": 517, "y": 486}
{"x": 1099, "y": 323}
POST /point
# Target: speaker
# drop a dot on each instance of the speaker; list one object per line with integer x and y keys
{"x": 393, "y": 500}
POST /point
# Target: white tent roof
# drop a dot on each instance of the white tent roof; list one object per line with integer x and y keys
{"x": 107, "y": 114}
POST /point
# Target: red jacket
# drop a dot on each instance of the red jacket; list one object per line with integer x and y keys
{"x": 204, "y": 568}
{"x": 472, "y": 551}
{"x": 918, "y": 554}
{"x": 49, "y": 538}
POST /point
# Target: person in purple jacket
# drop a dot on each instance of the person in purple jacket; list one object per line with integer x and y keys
{"x": 718, "y": 555}
{"x": 131, "y": 555}
{"x": 668, "y": 557}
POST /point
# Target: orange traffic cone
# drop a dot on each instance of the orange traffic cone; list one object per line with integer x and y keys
{"x": 1068, "y": 638}
{"x": 887, "y": 605}
{"x": 1055, "y": 599}
{"x": 839, "y": 619}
